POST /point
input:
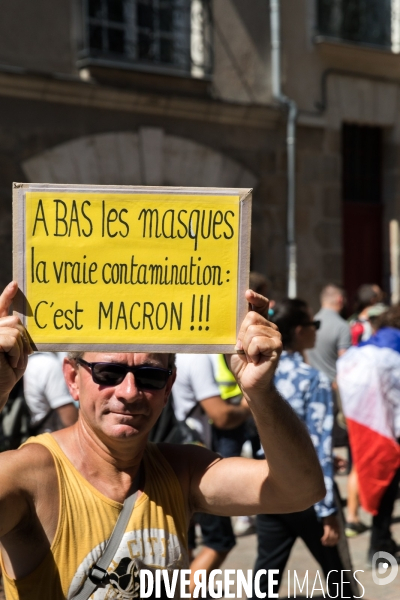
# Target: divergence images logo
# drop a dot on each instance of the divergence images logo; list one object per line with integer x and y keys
{"x": 384, "y": 564}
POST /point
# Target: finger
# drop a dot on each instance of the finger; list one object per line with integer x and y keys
{"x": 326, "y": 543}
{"x": 331, "y": 537}
{"x": 259, "y": 341}
{"x": 263, "y": 347}
{"x": 330, "y": 542}
{"x": 26, "y": 344}
{"x": 251, "y": 319}
{"x": 12, "y": 322}
{"x": 323, "y": 540}
{"x": 11, "y": 345}
{"x": 8, "y": 338}
{"x": 255, "y": 317}
{"x": 15, "y": 343}
{"x": 258, "y": 302}
{"x": 20, "y": 360}
{"x": 257, "y": 330}
{"x": 6, "y": 298}
{"x": 23, "y": 344}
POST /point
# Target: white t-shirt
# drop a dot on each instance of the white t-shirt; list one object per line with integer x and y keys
{"x": 45, "y": 388}
{"x": 194, "y": 382}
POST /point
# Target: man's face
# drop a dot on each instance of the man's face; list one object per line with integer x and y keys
{"x": 120, "y": 411}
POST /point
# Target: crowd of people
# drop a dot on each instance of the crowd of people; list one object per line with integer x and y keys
{"x": 340, "y": 378}
{"x": 307, "y": 377}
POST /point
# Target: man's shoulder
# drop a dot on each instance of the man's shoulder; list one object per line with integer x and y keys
{"x": 27, "y": 466}
{"x": 329, "y": 313}
{"x": 331, "y": 318}
{"x": 30, "y": 455}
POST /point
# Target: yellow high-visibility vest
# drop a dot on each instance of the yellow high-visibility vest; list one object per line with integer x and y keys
{"x": 228, "y": 388}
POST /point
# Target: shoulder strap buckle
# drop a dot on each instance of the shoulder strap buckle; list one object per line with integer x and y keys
{"x": 98, "y": 575}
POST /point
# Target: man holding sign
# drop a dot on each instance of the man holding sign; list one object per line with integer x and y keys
{"x": 61, "y": 493}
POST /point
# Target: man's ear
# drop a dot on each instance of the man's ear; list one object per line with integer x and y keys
{"x": 169, "y": 385}
{"x": 70, "y": 369}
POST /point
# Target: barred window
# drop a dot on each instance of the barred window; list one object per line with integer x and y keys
{"x": 373, "y": 22}
{"x": 173, "y": 34}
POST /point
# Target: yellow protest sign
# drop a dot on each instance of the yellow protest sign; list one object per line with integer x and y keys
{"x": 129, "y": 268}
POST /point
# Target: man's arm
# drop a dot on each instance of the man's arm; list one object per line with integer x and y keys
{"x": 223, "y": 414}
{"x": 290, "y": 479}
{"x": 344, "y": 339}
{"x": 14, "y": 351}
{"x": 14, "y": 345}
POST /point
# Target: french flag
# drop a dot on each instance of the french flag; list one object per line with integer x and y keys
{"x": 368, "y": 378}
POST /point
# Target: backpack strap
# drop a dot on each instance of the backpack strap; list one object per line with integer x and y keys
{"x": 191, "y": 411}
{"x": 98, "y": 574}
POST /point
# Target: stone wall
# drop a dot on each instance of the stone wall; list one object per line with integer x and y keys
{"x": 38, "y": 35}
{"x": 215, "y": 154}
{"x": 318, "y": 214}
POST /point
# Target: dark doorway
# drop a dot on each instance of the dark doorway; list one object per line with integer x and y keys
{"x": 362, "y": 207}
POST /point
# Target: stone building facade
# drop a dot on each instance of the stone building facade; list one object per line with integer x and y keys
{"x": 179, "y": 93}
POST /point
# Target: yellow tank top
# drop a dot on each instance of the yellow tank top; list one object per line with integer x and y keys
{"x": 156, "y": 535}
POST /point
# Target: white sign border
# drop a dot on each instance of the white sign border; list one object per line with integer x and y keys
{"x": 19, "y": 260}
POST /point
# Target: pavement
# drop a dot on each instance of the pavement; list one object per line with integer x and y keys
{"x": 301, "y": 561}
{"x": 243, "y": 557}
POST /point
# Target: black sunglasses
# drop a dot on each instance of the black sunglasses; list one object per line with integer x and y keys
{"x": 146, "y": 377}
{"x": 316, "y": 324}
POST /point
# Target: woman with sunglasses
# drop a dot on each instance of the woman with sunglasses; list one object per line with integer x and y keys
{"x": 308, "y": 391}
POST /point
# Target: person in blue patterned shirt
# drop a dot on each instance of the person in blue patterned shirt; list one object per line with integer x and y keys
{"x": 309, "y": 393}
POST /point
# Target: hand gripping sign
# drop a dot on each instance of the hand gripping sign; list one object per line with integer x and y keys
{"x": 124, "y": 268}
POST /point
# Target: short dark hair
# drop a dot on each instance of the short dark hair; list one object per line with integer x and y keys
{"x": 366, "y": 294}
{"x": 288, "y": 314}
{"x": 331, "y": 291}
{"x": 390, "y": 318}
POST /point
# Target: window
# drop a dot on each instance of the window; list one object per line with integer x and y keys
{"x": 373, "y": 22}
{"x": 150, "y": 34}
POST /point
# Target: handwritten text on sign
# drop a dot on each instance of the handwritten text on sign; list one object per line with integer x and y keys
{"x": 132, "y": 268}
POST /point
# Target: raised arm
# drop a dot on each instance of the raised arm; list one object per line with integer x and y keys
{"x": 15, "y": 472}
{"x": 290, "y": 479}
{"x": 14, "y": 345}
